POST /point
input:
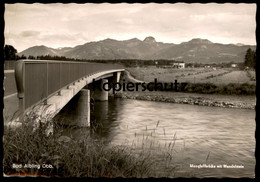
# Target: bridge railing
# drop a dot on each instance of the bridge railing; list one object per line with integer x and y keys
{"x": 37, "y": 80}
{"x": 9, "y": 65}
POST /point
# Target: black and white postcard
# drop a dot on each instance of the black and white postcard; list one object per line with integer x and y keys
{"x": 162, "y": 90}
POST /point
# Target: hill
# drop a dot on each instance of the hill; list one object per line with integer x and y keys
{"x": 195, "y": 50}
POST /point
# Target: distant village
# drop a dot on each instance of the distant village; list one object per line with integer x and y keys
{"x": 165, "y": 63}
{"x": 181, "y": 64}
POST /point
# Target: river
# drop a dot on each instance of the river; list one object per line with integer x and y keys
{"x": 200, "y": 134}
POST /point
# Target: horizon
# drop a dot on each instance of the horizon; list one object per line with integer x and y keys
{"x": 237, "y": 44}
{"x": 67, "y": 25}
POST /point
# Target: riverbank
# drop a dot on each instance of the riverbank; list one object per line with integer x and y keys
{"x": 214, "y": 100}
{"x": 34, "y": 153}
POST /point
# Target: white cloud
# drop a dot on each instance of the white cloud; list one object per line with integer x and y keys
{"x": 58, "y": 25}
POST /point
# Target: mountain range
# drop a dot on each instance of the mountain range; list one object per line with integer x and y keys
{"x": 196, "y": 50}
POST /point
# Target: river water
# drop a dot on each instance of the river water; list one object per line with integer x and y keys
{"x": 197, "y": 134}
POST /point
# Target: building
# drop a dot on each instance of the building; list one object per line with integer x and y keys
{"x": 233, "y": 65}
{"x": 180, "y": 65}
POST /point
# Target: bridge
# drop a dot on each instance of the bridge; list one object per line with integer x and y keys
{"x": 45, "y": 87}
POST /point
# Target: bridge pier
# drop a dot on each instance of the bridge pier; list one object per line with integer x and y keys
{"x": 77, "y": 110}
{"x": 101, "y": 95}
{"x": 116, "y": 77}
{"x": 83, "y": 111}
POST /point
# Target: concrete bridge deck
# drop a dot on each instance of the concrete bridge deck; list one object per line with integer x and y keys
{"x": 11, "y": 101}
{"x": 57, "y": 99}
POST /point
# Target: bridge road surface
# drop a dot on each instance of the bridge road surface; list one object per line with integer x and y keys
{"x": 11, "y": 102}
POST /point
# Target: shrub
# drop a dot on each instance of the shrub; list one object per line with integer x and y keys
{"x": 71, "y": 157}
{"x": 229, "y": 89}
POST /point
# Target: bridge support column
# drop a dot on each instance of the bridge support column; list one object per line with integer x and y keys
{"x": 83, "y": 108}
{"x": 116, "y": 76}
{"x": 101, "y": 95}
{"x": 116, "y": 79}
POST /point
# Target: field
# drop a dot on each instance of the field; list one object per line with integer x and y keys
{"x": 194, "y": 75}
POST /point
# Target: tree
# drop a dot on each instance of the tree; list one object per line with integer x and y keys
{"x": 250, "y": 58}
{"x": 31, "y": 57}
{"x": 9, "y": 52}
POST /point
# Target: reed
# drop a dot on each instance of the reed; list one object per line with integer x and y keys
{"x": 85, "y": 157}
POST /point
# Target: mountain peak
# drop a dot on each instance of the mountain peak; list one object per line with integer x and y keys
{"x": 239, "y": 44}
{"x": 200, "y": 41}
{"x": 133, "y": 39}
{"x": 40, "y": 46}
{"x": 108, "y": 40}
{"x": 149, "y": 39}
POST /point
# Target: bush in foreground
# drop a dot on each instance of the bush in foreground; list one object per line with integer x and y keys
{"x": 71, "y": 158}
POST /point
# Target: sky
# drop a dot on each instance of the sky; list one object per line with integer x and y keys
{"x": 68, "y": 25}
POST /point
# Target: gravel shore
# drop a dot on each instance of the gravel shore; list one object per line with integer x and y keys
{"x": 225, "y": 101}
{"x": 215, "y": 100}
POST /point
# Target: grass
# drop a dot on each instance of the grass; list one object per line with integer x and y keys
{"x": 164, "y": 74}
{"x": 194, "y": 75}
{"x": 228, "y": 89}
{"x": 205, "y": 81}
{"x": 85, "y": 157}
{"x": 237, "y": 76}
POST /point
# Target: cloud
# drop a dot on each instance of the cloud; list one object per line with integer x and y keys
{"x": 29, "y": 33}
{"x": 58, "y": 25}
